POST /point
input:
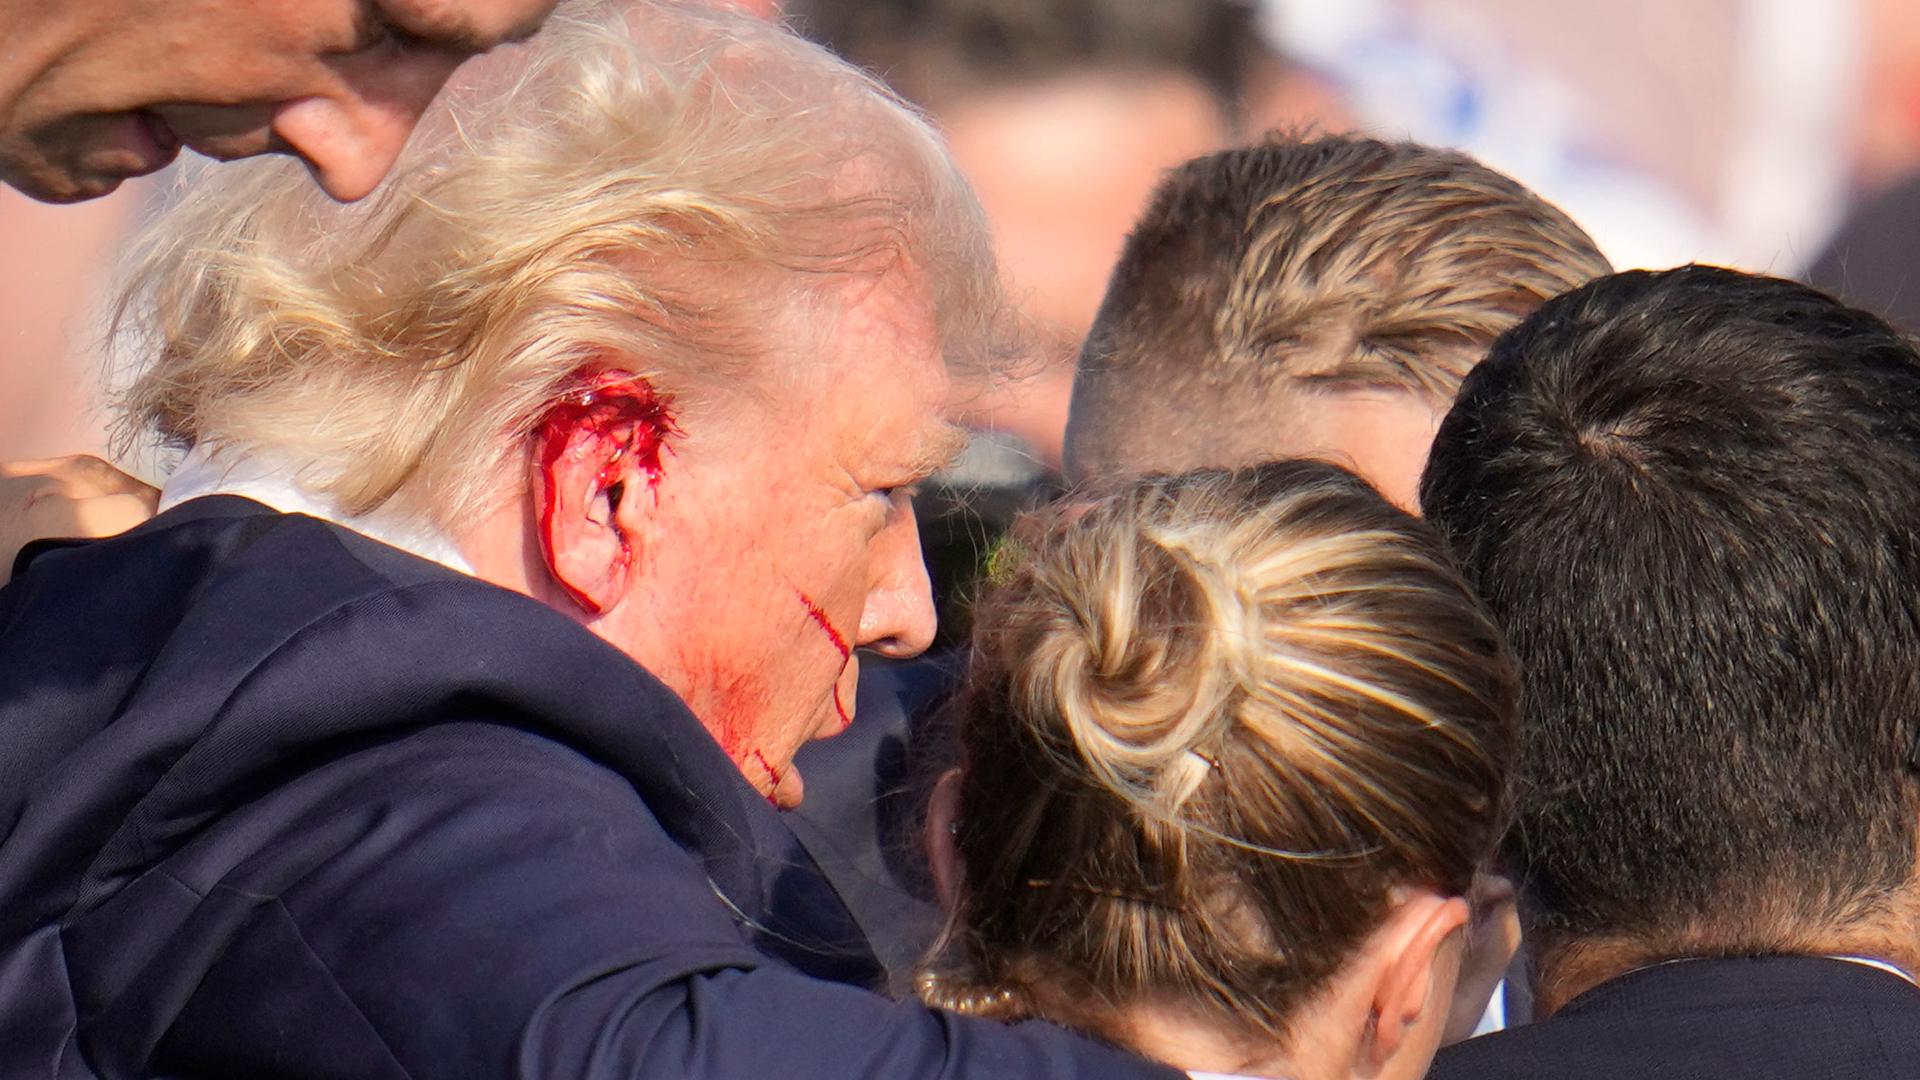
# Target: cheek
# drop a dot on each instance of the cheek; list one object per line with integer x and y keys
{"x": 731, "y": 700}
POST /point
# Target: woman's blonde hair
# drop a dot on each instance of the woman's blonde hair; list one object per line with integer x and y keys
{"x": 1211, "y": 722}
{"x": 643, "y": 186}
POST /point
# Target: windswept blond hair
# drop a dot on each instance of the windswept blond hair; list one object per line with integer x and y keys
{"x": 1211, "y": 722}
{"x": 640, "y": 186}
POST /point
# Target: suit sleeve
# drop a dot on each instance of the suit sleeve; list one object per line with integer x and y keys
{"x": 472, "y": 901}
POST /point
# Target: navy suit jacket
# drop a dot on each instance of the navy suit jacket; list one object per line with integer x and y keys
{"x": 1765, "y": 1018}
{"x": 278, "y": 800}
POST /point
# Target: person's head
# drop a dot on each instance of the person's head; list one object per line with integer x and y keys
{"x": 1692, "y": 501}
{"x": 1232, "y": 748}
{"x": 95, "y": 91}
{"x": 654, "y": 321}
{"x": 1311, "y": 299}
{"x": 1063, "y": 114}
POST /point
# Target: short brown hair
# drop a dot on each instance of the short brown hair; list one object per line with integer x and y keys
{"x": 1310, "y": 265}
{"x": 1211, "y": 722}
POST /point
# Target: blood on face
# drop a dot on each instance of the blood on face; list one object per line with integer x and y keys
{"x": 839, "y": 641}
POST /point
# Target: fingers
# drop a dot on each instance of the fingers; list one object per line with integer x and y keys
{"x": 72, "y": 497}
{"x": 81, "y": 476}
{"x": 100, "y": 516}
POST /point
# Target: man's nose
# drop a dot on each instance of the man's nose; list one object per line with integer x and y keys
{"x": 899, "y": 618}
{"x": 350, "y": 137}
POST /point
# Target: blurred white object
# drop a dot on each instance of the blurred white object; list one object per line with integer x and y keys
{"x": 1442, "y": 75}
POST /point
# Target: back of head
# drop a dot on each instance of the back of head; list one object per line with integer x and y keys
{"x": 1692, "y": 500}
{"x": 1263, "y": 277}
{"x": 1212, "y": 721}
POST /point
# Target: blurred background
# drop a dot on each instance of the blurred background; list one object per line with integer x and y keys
{"x": 1771, "y": 135}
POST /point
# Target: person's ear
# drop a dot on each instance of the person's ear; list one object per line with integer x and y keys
{"x": 596, "y": 458}
{"x": 1420, "y": 944}
{"x": 943, "y": 854}
{"x": 1493, "y": 936}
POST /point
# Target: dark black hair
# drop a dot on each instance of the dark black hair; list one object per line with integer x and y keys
{"x": 1692, "y": 500}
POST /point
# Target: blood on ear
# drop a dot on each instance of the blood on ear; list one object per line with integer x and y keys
{"x": 615, "y": 422}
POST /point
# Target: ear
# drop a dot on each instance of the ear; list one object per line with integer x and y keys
{"x": 943, "y": 854}
{"x": 597, "y": 457}
{"x": 1418, "y": 966}
{"x": 1493, "y": 936}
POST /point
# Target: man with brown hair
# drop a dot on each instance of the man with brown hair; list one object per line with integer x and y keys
{"x": 1315, "y": 298}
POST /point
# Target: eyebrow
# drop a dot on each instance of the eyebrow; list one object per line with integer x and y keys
{"x": 943, "y": 443}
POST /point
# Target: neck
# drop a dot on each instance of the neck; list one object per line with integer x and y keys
{"x": 503, "y": 546}
{"x": 1192, "y": 1042}
{"x": 1565, "y": 971}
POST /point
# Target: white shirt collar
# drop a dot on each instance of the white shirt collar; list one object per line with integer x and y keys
{"x": 1876, "y": 962}
{"x": 273, "y": 482}
{"x": 1864, "y": 961}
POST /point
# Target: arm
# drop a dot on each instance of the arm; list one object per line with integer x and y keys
{"x": 475, "y": 901}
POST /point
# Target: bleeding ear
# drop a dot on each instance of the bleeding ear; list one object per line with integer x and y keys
{"x": 1416, "y": 980}
{"x": 596, "y": 454}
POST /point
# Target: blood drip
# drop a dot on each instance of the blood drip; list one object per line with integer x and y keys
{"x": 773, "y": 775}
{"x": 623, "y": 418}
{"x": 839, "y": 643}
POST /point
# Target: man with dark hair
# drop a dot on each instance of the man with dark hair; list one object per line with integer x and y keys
{"x": 1311, "y": 299}
{"x": 1692, "y": 499}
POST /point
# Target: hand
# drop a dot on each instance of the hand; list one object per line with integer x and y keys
{"x": 81, "y": 497}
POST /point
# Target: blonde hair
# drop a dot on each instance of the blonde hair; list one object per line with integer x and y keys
{"x": 1212, "y": 720}
{"x": 640, "y": 187}
{"x": 1297, "y": 266}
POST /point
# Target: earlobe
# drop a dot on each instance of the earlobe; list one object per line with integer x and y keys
{"x": 1415, "y": 985}
{"x": 593, "y": 453}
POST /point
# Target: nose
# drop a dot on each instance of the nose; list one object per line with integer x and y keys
{"x": 898, "y": 620}
{"x": 351, "y": 135}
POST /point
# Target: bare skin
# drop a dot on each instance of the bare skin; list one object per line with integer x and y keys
{"x": 1383, "y": 435}
{"x": 1057, "y": 227}
{"x": 774, "y": 539}
{"x": 70, "y": 496}
{"x": 95, "y": 91}
{"x": 1564, "y": 971}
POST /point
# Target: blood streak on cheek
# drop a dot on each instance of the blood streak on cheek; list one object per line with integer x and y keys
{"x": 735, "y": 696}
{"x": 839, "y": 640}
{"x": 613, "y": 416}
